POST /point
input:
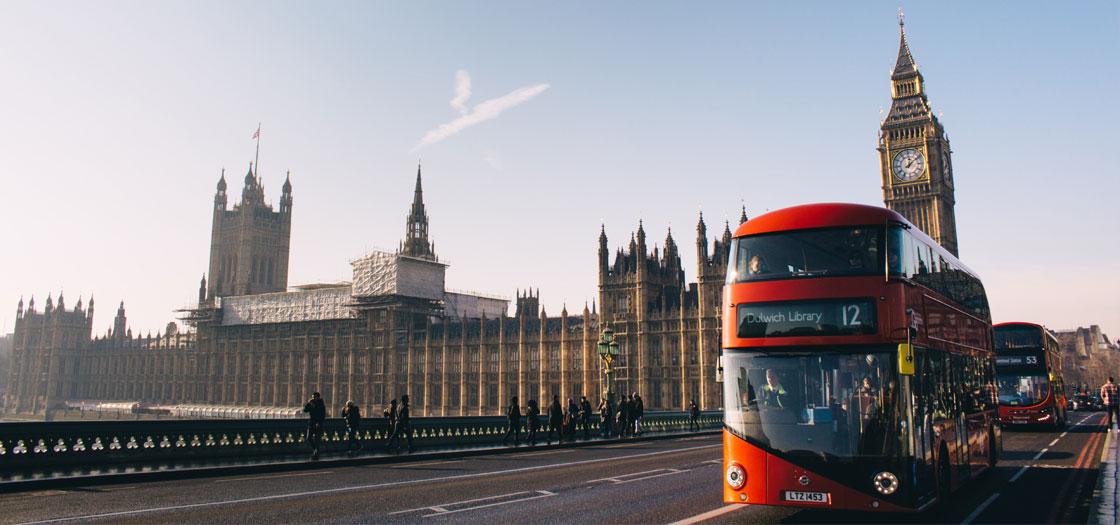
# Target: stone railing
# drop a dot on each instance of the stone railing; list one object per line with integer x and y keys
{"x": 29, "y": 449}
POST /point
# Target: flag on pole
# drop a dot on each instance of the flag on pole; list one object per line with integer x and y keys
{"x": 257, "y": 133}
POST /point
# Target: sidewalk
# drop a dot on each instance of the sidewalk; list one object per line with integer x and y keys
{"x": 1106, "y": 496}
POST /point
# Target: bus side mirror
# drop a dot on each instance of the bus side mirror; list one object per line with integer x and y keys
{"x": 906, "y": 359}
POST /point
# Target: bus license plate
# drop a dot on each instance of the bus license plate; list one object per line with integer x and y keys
{"x": 807, "y": 497}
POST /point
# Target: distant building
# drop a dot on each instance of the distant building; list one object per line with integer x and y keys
{"x": 393, "y": 329}
{"x": 1088, "y": 357}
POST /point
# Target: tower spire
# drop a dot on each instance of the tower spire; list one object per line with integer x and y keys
{"x": 904, "y": 65}
{"x": 416, "y": 243}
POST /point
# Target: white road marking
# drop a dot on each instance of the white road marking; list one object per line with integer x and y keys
{"x": 731, "y": 507}
{"x": 980, "y": 509}
{"x": 1054, "y": 442}
{"x": 273, "y": 476}
{"x": 360, "y": 487}
{"x": 444, "y": 505}
{"x": 616, "y": 478}
{"x": 625, "y": 478}
{"x": 540, "y": 494}
{"x": 1040, "y": 453}
{"x": 531, "y": 454}
{"x": 1063, "y": 434}
{"x": 427, "y": 463}
{"x": 714, "y": 461}
{"x": 1018, "y": 474}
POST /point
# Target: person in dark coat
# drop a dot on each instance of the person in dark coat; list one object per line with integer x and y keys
{"x": 637, "y": 408}
{"x": 623, "y": 417}
{"x": 555, "y": 419}
{"x": 513, "y": 415}
{"x": 585, "y": 416}
{"x": 316, "y": 410}
{"x": 606, "y": 415}
{"x": 353, "y": 416}
{"x": 402, "y": 427}
{"x": 693, "y": 416}
{"x": 532, "y": 421}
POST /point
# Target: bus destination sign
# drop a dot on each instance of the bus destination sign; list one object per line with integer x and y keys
{"x": 801, "y": 318}
{"x": 1027, "y": 359}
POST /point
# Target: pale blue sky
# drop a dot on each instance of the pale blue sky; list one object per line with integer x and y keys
{"x": 117, "y": 117}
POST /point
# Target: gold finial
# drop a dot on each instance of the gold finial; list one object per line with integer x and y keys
{"x": 901, "y": 18}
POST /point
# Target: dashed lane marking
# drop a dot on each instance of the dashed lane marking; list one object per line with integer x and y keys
{"x": 353, "y": 488}
{"x": 714, "y": 461}
{"x": 442, "y": 507}
{"x": 711, "y": 514}
{"x": 1023, "y": 470}
{"x": 976, "y": 513}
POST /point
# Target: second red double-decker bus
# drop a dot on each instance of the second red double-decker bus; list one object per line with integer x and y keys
{"x": 857, "y": 364}
{"x": 1029, "y": 373}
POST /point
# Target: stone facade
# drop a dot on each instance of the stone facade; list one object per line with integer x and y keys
{"x": 452, "y": 356}
{"x": 915, "y": 159}
{"x": 1088, "y": 357}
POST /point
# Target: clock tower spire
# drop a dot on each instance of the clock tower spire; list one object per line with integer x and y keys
{"x": 914, "y": 154}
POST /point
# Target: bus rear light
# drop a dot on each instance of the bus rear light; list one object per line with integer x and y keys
{"x": 886, "y": 483}
{"x": 736, "y": 477}
{"x": 1044, "y": 417}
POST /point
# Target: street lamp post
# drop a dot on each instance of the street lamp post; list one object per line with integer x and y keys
{"x": 608, "y": 350}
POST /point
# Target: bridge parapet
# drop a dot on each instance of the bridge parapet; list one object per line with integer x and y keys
{"x": 27, "y": 447}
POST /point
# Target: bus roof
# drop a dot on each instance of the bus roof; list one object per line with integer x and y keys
{"x": 821, "y": 215}
{"x": 830, "y": 214}
{"x": 1018, "y": 323}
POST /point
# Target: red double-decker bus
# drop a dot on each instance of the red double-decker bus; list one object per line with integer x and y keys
{"x": 1029, "y": 374}
{"x": 857, "y": 363}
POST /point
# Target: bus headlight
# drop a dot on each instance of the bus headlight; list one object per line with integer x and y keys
{"x": 736, "y": 476}
{"x": 886, "y": 483}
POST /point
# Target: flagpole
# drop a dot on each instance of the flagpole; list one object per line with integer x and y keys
{"x": 257, "y": 160}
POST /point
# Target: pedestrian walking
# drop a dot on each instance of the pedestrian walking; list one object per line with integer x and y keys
{"x": 623, "y": 417}
{"x": 638, "y": 408}
{"x": 571, "y": 419}
{"x": 513, "y": 415}
{"x": 555, "y": 420}
{"x": 316, "y": 410}
{"x": 585, "y": 416}
{"x": 532, "y": 422}
{"x": 390, "y": 418}
{"x": 1110, "y": 396}
{"x": 693, "y": 416}
{"x": 353, "y": 416}
{"x": 606, "y": 412}
{"x": 402, "y": 428}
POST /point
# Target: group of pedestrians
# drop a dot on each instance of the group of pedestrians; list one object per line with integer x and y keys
{"x": 624, "y": 420}
{"x": 563, "y": 420}
{"x": 397, "y": 415}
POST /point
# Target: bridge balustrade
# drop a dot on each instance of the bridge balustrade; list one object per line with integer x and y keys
{"x": 36, "y": 446}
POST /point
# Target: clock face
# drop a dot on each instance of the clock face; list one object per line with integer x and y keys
{"x": 908, "y": 165}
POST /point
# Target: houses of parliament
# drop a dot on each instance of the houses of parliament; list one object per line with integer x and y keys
{"x": 253, "y": 341}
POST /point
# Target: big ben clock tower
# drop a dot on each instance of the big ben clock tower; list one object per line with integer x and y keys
{"x": 914, "y": 154}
